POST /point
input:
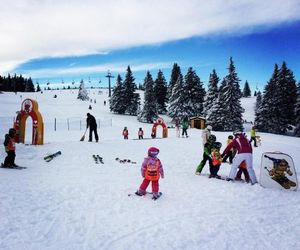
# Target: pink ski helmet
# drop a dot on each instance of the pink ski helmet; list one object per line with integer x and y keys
{"x": 153, "y": 151}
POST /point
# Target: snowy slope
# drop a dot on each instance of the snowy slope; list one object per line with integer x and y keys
{"x": 73, "y": 204}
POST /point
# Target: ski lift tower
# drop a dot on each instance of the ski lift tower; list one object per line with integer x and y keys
{"x": 109, "y": 87}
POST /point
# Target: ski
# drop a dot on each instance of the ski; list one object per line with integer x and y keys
{"x": 13, "y": 167}
{"x": 96, "y": 159}
{"x": 100, "y": 159}
{"x": 48, "y": 158}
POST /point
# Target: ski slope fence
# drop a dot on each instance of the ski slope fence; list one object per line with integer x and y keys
{"x": 55, "y": 124}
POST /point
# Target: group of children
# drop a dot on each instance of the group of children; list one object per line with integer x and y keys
{"x": 125, "y": 133}
{"x": 211, "y": 153}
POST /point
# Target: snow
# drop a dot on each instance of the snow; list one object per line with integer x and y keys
{"x": 71, "y": 203}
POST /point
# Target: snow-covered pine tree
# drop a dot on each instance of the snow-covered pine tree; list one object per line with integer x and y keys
{"x": 178, "y": 100}
{"x": 117, "y": 102}
{"x": 267, "y": 111}
{"x": 82, "y": 92}
{"x": 195, "y": 93}
{"x": 258, "y": 101}
{"x": 212, "y": 92}
{"x": 149, "y": 111}
{"x": 246, "y": 90}
{"x": 215, "y": 115}
{"x": 131, "y": 98}
{"x": 287, "y": 94}
{"x": 160, "y": 91}
{"x": 231, "y": 95}
{"x": 175, "y": 74}
{"x": 297, "y": 112}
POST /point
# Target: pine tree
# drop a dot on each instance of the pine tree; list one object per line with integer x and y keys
{"x": 267, "y": 110}
{"x": 82, "y": 92}
{"x": 131, "y": 98}
{"x": 215, "y": 115}
{"x": 258, "y": 101}
{"x": 212, "y": 93}
{"x": 160, "y": 91}
{"x": 246, "y": 90}
{"x": 177, "y": 101}
{"x": 175, "y": 74}
{"x": 29, "y": 87}
{"x": 231, "y": 95}
{"x": 287, "y": 92}
{"x": 117, "y": 102}
{"x": 38, "y": 89}
{"x": 297, "y": 112}
{"x": 195, "y": 93}
{"x": 149, "y": 111}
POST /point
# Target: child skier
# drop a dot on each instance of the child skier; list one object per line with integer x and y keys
{"x": 216, "y": 160}
{"x": 125, "y": 133}
{"x": 141, "y": 133}
{"x": 151, "y": 171}
{"x": 242, "y": 169}
{"x": 231, "y": 153}
{"x": 206, "y": 154}
{"x": 10, "y": 147}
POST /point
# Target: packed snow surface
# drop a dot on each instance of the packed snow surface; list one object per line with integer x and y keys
{"x": 71, "y": 203}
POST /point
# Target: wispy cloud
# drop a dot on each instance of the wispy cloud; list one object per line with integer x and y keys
{"x": 100, "y": 68}
{"x": 33, "y": 29}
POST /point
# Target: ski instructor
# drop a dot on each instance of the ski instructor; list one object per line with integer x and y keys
{"x": 244, "y": 153}
{"x": 92, "y": 124}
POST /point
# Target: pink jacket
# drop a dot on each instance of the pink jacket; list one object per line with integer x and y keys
{"x": 153, "y": 161}
{"x": 241, "y": 144}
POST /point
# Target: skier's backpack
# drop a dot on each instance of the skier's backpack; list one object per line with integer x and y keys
{"x": 152, "y": 171}
{"x": 278, "y": 171}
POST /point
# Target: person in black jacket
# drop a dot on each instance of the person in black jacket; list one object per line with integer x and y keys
{"x": 92, "y": 124}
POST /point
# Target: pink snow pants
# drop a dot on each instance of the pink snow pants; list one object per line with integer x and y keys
{"x": 145, "y": 183}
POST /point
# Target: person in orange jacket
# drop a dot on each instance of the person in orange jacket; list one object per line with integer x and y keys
{"x": 10, "y": 148}
{"x": 125, "y": 133}
{"x": 216, "y": 160}
{"x": 151, "y": 171}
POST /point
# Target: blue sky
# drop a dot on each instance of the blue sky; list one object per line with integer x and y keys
{"x": 193, "y": 34}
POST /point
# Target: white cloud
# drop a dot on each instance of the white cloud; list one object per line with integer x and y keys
{"x": 100, "y": 68}
{"x": 33, "y": 29}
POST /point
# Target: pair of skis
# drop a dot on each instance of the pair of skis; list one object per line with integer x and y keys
{"x": 159, "y": 194}
{"x": 50, "y": 157}
{"x": 98, "y": 159}
{"x": 125, "y": 161}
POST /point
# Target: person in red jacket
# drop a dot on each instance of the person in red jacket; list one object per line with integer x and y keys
{"x": 244, "y": 153}
{"x": 10, "y": 148}
{"x": 151, "y": 171}
{"x": 242, "y": 170}
{"x": 125, "y": 133}
{"x": 141, "y": 133}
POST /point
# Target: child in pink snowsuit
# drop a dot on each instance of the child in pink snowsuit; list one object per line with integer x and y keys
{"x": 151, "y": 171}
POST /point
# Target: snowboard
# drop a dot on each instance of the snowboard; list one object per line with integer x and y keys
{"x": 98, "y": 159}
{"x": 14, "y": 167}
{"x": 278, "y": 171}
{"x": 149, "y": 193}
{"x": 48, "y": 158}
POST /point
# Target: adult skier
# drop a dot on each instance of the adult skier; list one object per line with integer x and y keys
{"x": 244, "y": 153}
{"x": 92, "y": 124}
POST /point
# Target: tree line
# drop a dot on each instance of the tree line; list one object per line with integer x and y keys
{"x": 277, "y": 109}
{"x": 16, "y": 84}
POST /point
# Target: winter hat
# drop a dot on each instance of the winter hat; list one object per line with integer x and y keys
{"x": 209, "y": 127}
{"x": 12, "y": 131}
{"x": 152, "y": 151}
